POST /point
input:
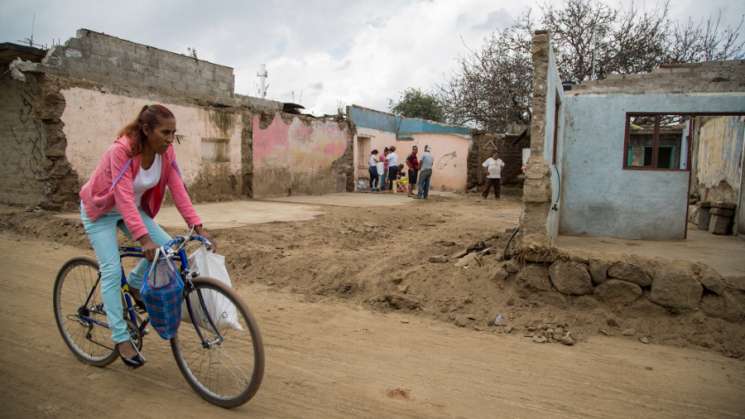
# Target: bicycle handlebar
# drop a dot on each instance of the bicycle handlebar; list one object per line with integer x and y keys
{"x": 181, "y": 240}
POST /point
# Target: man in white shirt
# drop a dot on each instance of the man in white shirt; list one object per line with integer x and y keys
{"x": 392, "y": 167}
{"x": 493, "y": 167}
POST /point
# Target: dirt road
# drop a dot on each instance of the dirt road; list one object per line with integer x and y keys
{"x": 327, "y": 359}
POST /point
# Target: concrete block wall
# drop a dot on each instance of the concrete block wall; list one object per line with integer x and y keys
{"x": 720, "y": 76}
{"x": 108, "y": 60}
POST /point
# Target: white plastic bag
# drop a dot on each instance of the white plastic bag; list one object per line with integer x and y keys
{"x": 222, "y": 312}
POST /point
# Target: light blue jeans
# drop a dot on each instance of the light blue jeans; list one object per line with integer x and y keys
{"x": 102, "y": 235}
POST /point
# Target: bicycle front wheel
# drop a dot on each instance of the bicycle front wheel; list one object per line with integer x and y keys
{"x": 221, "y": 357}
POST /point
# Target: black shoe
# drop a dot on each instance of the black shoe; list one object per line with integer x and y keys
{"x": 136, "y": 361}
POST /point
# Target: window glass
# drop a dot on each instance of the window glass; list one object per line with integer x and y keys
{"x": 657, "y": 141}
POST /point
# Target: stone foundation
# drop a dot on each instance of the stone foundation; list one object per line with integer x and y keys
{"x": 677, "y": 286}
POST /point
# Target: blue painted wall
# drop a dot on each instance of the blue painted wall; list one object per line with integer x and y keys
{"x": 599, "y": 197}
{"x": 554, "y": 94}
{"x": 383, "y": 121}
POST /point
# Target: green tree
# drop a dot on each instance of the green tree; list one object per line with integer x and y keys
{"x": 416, "y": 104}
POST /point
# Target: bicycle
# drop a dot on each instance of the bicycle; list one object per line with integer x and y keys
{"x": 81, "y": 320}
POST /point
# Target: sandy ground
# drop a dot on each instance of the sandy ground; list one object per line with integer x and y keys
{"x": 332, "y": 360}
{"x": 726, "y": 254}
{"x": 358, "y": 323}
{"x": 221, "y": 215}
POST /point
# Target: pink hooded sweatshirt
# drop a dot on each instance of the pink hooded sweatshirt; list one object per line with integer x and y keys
{"x": 111, "y": 185}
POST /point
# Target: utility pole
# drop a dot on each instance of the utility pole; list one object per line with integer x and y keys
{"x": 30, "y": 39}
{"x": 262, "y": 75}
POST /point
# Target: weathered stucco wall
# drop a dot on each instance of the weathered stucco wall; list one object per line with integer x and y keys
{"x": 450, "y": 153}
{"x": 554, "y": 129}
{"x": 600, "y": 198}
{"x": 740, "y": 219}
{"x": 300, "y": 155}
{"x": 92, "y": 120}
{"x": 719, "y": 154}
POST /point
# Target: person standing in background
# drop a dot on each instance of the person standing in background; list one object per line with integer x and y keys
{"x": 372, "y": 168}
{"x": 412, "y": 162}
{"x": 392, "y": 166}
{"x": 493, "y": 167}
{"x": 425, "y": 173}
{"x": 380, "y": 169}
{"x": 384, "y": 174}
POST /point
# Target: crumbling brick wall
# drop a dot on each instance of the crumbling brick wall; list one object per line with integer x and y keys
{"x": 537, "y": 186}
{"x": 36, "y": 171}
{"x": 509, "y": 147}
{"x": 22, "y": 144}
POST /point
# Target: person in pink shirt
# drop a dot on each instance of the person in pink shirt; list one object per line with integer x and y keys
{"x": 128, "y": 186}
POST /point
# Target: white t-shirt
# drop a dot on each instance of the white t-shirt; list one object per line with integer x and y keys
{"x": 494, "y": 168}
{"x": 372, "y": 161}
{"x": 392, "y": 159}
{"x": 146, "y": 179}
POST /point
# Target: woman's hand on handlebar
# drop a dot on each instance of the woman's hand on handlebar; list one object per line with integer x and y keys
{"x": 148, "y": 247}
{"x": 202, "y": 232}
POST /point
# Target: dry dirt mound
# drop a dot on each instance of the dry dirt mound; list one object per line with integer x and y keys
{"x": 411, "y": 259}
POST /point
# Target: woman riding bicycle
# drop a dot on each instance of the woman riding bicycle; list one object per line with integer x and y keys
{"x": 129, "y": 185}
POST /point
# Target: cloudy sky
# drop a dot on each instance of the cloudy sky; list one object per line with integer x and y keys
{"x": 323, "y": 54}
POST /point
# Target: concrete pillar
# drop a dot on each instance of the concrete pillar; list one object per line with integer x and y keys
{"x": 537, "y": 187}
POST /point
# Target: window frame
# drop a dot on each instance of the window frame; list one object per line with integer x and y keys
{"x": 691, "y": 115}
{"x": 656, "y": 141}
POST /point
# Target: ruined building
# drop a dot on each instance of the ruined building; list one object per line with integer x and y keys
{"x": 620, "y": 157}
{"x": 63, "y": 107}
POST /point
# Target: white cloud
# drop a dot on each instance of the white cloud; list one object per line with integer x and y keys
{"x": 415, "y": 46}
{"x": 328, "y": 52}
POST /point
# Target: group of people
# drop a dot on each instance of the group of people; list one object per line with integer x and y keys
{"x": 387, "y": 174}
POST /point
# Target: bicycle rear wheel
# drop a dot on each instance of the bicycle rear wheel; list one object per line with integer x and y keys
{"x": 226, "y": 372}
{"x": 77, "y": 301}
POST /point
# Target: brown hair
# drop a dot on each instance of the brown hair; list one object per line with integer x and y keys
{"x": 149, "y": 115}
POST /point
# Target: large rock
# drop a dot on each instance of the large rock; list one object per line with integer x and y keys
{"x": 598, "y": 271}
{"x": 676, "y": 288}
{"x": 534, "y": 278}
{"x": 540, "y": 254}
{"x": 729, "y": 306}
{"x": 709, "y": 278}
{"x": 570, "y": 278}
{"x": 735, "y": 282}
{"x": 630, "y": 272}
{"x": 617, "y": 292}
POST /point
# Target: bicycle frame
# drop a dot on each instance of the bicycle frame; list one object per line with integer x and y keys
{"x": 186, "y": 274}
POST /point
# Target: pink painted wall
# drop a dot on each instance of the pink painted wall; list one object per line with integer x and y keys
{"x": 450, "y": 152}
{"x": 296, "y": 156}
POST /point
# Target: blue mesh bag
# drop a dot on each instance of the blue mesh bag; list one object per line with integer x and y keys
{"x": 163, "y": 292}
